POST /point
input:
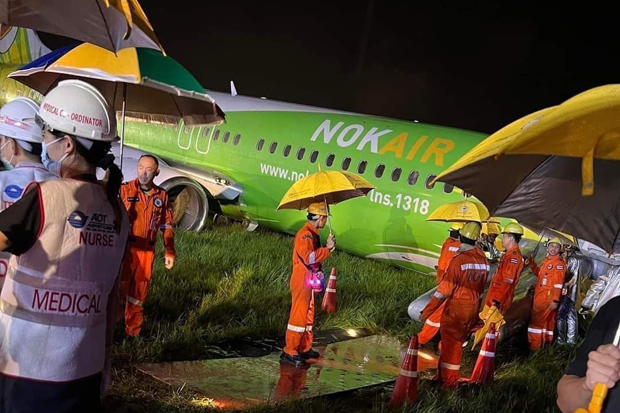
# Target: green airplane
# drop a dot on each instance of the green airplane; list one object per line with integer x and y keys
{"x": 265, "y": 146}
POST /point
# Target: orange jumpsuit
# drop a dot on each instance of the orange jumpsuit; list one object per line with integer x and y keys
{"x": 548, "y": 290}
{"x": 505, "y": 280}
{"x": 448, "y": 250}
{"x": 461, "y": 288}
{"x": 148, "y": 214}
{"x": 307, "y": 248}
{"x": 432, "y": 324}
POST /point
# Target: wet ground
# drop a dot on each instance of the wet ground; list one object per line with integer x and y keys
{"x": 347, "y": 362}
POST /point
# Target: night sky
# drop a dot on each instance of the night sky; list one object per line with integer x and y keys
{"x": 470, "y": 65}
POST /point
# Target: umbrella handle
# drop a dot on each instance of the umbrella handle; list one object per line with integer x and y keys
{"x": 123, "y": 123}
{"x": 600, "y": 391}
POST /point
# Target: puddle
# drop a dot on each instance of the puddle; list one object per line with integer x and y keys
{"x": 242, "y": 382}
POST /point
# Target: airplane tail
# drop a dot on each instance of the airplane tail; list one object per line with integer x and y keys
{"x": 19, "y": 45}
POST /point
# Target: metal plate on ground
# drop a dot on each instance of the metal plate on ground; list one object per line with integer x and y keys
{"x": 245, "y": 382}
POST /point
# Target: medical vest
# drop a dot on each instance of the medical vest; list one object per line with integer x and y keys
{"x": 53, "y": 304}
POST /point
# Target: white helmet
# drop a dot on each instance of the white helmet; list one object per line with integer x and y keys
{"x": 78, "y": 108}
{"x": 16, "y": 121}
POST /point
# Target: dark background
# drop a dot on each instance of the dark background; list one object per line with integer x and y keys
{"x": 471, "y": 65}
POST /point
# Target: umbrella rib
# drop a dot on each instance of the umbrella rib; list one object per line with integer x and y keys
{"x": 107, "y": 29}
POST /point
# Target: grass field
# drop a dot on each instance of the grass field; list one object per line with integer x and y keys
{"x": 230, "y": 284}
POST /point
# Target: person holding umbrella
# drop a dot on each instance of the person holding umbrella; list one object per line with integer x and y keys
{"x": 597, "y": 363}
{"x": 547, "y": 295}
{"x": 306, "y": 278}
{"x": 315, "y": 193}
{"x": 68, "y": 235}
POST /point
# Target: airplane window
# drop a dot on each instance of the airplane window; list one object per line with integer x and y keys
{"x": 396, "y": 174}
{"x": 216, "y": 135}
{"x": 379, "y": 170}
{"x": 225, "y": 137}
{"x": 361, "y": 168}
{"x": 346, "y": 162}
{"x": 330, "y": 159}
{"x": 313, "y": 156}
{"x": 300, "y": 153}
{"x": 273, "y": 147}
{"x": 447, "y": 188}
{"x": 259, "y": 145}
{"x": 205, "y": 132}
{"x": 466, "y": 194}
{"x": 429, "y": 181}
{"x": 237, "y": 139}
{"x": 413, "y": 177}
{"x": 287, "y": 151}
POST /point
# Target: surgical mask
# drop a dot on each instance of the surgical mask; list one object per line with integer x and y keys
{"x": 50, "y": 165}
{"x": 7, "y": 164}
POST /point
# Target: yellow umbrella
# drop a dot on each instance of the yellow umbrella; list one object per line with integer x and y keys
{"x": 539, "y": 170}
{"x": 461, "y": 211}
{"x": 329, "y": 186}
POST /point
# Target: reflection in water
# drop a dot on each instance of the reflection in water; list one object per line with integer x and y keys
{"x": 245, "y": 382}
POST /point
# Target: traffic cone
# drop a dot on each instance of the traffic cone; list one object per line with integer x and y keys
{"x": 406, "y": 385}
{"x": 329, "y": 299}
{"x": 483, "y": 370}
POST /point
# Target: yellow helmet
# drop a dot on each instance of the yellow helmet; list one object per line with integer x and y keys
{"x": 513, "y": 228}
{"x": 471, "y": 230}
{"x": 319, "y": 208}
{"x": 555, "y": 240}
{"x": 492, "y": 228}
{"x": 455, "y": 226}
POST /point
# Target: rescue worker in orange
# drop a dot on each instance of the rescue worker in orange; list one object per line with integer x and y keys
{"x": 148, "y": 210}
{"x": 448, "y": 250}
{"x": 547, "y": 295}
{"x": 461, "y": 288}
{"x": 502, "y": 289}
{"x": 307, "y": 257}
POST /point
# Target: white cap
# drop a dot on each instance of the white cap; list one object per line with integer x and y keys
{"x": 78, "y": 108}
{"x": 17, "y": 122}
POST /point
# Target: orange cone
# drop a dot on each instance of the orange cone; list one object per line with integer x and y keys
{"x": 406, "y": 385}
{"x": 483, "y": 370}
{"x": 329, "y": 299}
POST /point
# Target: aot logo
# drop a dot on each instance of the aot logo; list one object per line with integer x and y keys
{"x": 13, "y": 191}
{"x": 77, "y": 219}
{"x": 158, "y": 202}
{"x": 361, "y": 137}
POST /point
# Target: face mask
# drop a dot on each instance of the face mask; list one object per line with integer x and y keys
{"x": 7, "y": 164}
{"x": 50, "y": 165}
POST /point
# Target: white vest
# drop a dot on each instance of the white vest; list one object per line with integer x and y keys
{"x": 12, "y": 186}
{"x": 53, "y": 304}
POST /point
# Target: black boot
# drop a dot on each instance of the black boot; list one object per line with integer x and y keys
{"x": 310, "y": 354}
{"x": 296, "y": 361}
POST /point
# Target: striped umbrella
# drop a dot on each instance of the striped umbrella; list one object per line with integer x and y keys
{"x": 139, "y": 82}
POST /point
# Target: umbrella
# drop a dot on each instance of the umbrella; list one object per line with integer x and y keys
{"x": 135, "y": 81}
{"x": 461, "y": 211}
{"x": 329, "y": 186}
{"x": 540, "y": 169}
{"x": 111, "y": 24}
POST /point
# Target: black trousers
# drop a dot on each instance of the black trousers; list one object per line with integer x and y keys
{"x": 19, "y": 395}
